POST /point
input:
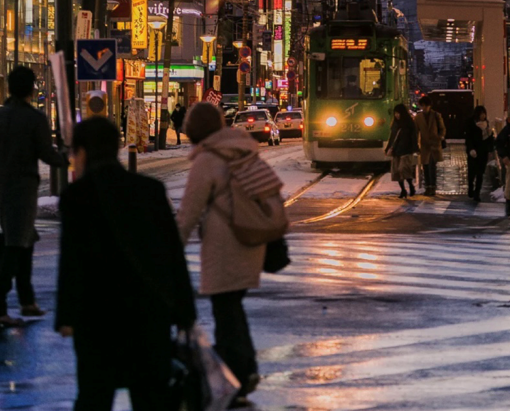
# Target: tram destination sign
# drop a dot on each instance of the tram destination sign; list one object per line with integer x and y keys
{"x": 350, "y": 44}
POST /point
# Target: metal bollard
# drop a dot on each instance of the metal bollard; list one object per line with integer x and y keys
{"x": 132, "y": 158}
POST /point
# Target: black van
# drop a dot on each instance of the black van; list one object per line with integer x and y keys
{"x": 456, "y": 106}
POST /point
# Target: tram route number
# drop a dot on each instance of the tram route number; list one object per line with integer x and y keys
{"x": 350, "y": 127}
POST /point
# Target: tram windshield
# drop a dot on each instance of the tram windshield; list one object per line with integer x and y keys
{"x": 351, "y": 78}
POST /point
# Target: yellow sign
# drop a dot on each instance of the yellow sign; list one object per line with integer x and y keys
{"x": 152, "y": 44}
{"x": 350, "y": 44}
{"x": 139, "y": 26}
{"x": 205, "y": 48}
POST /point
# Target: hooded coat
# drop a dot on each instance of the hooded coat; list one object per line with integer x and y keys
{"x": 226, "y": 264}
{"x": 431, "y": 133}
{"x": 25, "y": 138}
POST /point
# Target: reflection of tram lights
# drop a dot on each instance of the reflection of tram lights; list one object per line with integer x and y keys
{"x": 369, "y": 121}
{"x": 331, "y": 121}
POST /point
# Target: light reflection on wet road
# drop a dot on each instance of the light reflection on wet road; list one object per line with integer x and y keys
{"x": 357, "y": 322}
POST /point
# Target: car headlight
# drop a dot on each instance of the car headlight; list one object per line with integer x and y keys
{"x": 369, "y": 121}
{"x": 331, "y": 121}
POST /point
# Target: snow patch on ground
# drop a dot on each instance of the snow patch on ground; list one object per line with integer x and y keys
{"x": 386, "y": 187}
{"x": 47, "y": 207}
{"x": 331, "y": 187}
{"x": 174, "y": 151}
{"x": 295, "y": 172}
{"x": 498, "y": 195}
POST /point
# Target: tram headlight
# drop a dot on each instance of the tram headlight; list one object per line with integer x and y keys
{"x": 369, "y": 121}
{"x": 331, "y": 121}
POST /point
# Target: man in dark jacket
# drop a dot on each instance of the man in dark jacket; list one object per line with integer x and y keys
{"x": 503, "y": 148}
{"x": 177, "y": 118}
{"x": 25, "y": 138}
{"x": 123, "y": 279}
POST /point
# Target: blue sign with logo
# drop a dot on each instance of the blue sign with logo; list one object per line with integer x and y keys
{"x": 97, "y": 60}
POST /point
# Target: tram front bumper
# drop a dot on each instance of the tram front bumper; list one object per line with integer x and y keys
{"x": 345, "y": 152}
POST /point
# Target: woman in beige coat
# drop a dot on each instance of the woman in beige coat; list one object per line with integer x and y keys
{"x": 431, "y": 130}
{"x": 228, "y": 268}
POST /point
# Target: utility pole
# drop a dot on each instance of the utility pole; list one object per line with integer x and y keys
{"x": 16, "y": 32}
{"x": 242, "y": 82}
{"x": 64, "y": 42}
{"x": 219, "y": 42}
{"x": 167, "y": 60}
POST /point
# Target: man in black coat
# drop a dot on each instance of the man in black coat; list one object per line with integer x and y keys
{"x": 177, "y": 118}
{"x": 25, "y": 138}
{"x": 123, "y": 279}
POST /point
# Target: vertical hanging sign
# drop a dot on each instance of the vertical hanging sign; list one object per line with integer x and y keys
{"x": 139, "y": 24}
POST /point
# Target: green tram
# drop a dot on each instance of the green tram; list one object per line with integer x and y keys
{"x": 356, "y": 73}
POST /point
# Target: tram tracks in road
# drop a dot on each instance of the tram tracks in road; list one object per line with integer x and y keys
{"x": 335, "y": 212}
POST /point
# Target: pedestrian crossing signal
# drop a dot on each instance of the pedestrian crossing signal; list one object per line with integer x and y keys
{"x": 267, "y": 37}
{"x": 96, "y": 103}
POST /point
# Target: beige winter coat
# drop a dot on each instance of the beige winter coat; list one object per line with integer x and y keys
{"x": 430, "y": 136}
{"x": 227, "y": 265}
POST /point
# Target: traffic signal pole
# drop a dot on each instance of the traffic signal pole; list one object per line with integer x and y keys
{"x": 242, "y": 82}
{"x": 167, "y": 60}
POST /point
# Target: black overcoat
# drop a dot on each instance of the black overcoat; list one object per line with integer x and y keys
{"x": 123, "y": 279}
{"x": 25, "y": 138}
{"x": 406, "y": 141}
{"x": 475, "y": 141}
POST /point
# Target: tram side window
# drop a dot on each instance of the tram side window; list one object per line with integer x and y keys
{"x": 321, "y": 80}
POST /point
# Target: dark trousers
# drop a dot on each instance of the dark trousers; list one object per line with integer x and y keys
{"x": 178, "y": 130}
{"x": 476, "y": 170}
{"x": 144, "y": 397}
{"x": 15, "y": 263}
{"x": 232, "y": 334}
{"x": 430, "y": 173}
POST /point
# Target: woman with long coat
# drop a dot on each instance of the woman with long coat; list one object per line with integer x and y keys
{"x": 479, "y": 143}
{"x": 228, "y": 268}
{"x": 401, "y": 147}
{"x": 431, "y": 133}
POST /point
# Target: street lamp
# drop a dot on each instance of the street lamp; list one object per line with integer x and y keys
{"x": 238, "y": 44}
{"x": 156, "y": 26}
{"x": 207, "y": 39}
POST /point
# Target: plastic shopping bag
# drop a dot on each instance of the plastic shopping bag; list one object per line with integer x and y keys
{"x": 210, "y": 380}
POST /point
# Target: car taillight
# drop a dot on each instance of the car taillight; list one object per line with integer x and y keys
{"x": 251, "y": 120}
{"x": 267, "y": 128}
{"x": 288, "y": 119}
{"x": 301, "y": 126}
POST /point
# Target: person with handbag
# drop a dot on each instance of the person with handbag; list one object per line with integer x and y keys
{"x": 123, "y": 279}
{"x": 431, "y": 136}
{"x": 479, "y": 143}
{"x": 402, "y": 146}
{"x": 228, "y": 267}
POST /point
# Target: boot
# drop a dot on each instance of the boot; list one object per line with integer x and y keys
{"x": 471, "y": 192}
{"x": 428, "y": 191}
{"x": 507, "y": 208}
{"x": 476, "y": 196}
{"x": 432, "y": 191}
{"x": 403, "y": 194}
{"x": 412, "y": 190}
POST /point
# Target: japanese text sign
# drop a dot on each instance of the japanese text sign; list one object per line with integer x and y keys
{"x": 139, "y": 24}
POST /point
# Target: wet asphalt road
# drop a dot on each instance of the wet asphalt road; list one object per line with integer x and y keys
{"x": 398, "y": 305}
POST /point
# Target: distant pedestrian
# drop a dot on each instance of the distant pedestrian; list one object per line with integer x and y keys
{"x": 401, "y": 147}
{"x": 479, "y": 143}
{"x": 229, "y": 268}
{"x": 123, "y": 279}
{"x": 25, "y": 138}
{"x": 431, "y": 131}
{"x": 503, "y": 148}
{"x": 177, "y": 118}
